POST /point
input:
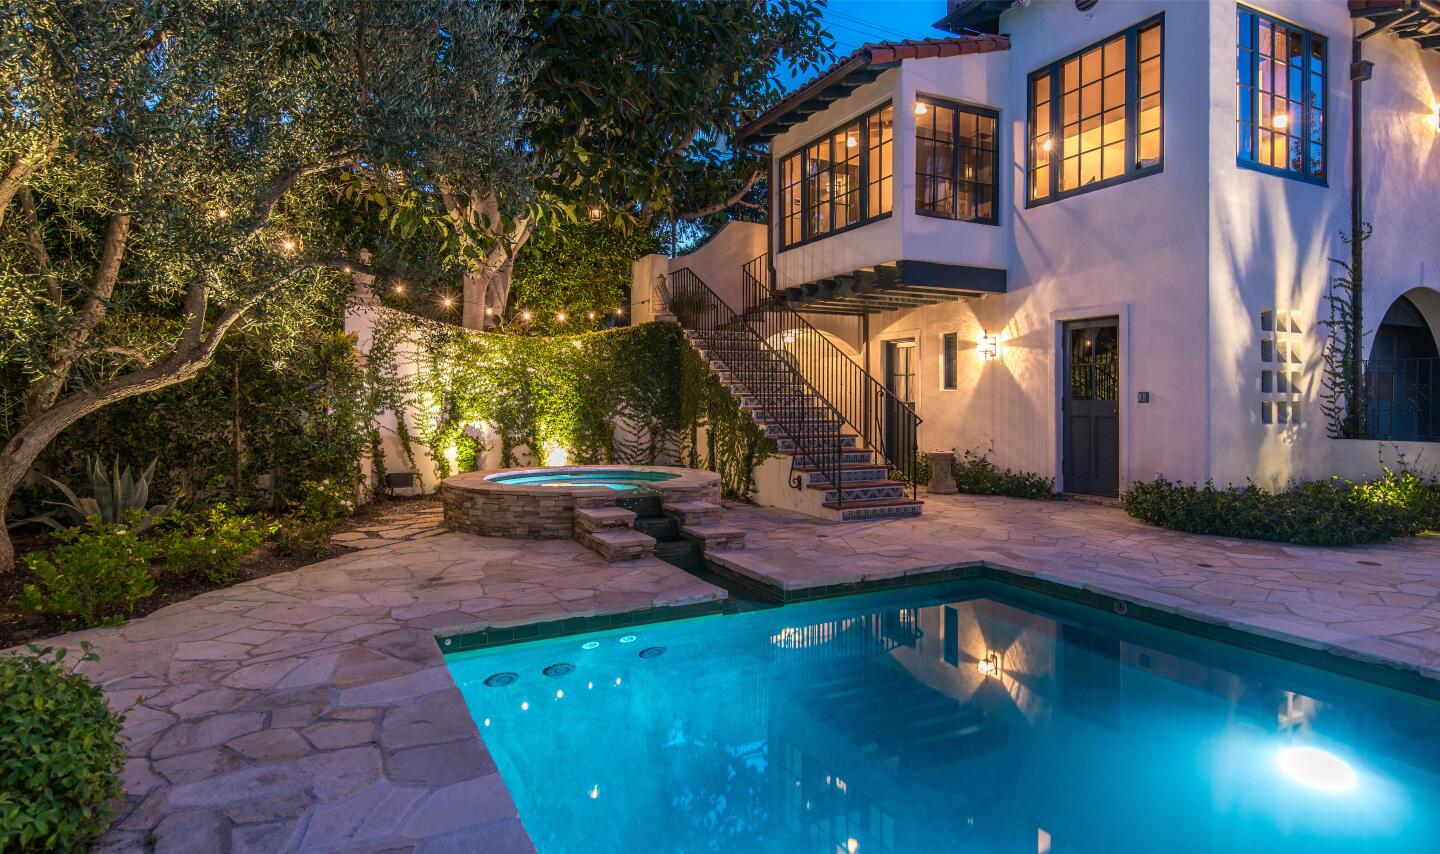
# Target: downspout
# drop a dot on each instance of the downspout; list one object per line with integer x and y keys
{"x": 1360, "y": 71}
{"x": 773, "y": 216}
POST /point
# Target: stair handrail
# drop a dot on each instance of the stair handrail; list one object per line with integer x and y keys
{"x": 698, "y": 308}
{"x": 859, "y": 398}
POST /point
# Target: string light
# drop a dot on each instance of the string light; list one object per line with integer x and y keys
{"x": 560, "y": 317}
{"x": 399, "y": 287}
{"x": 447, "y": 302}
{"x": 619, "y": 312}
{"x": 525, "y": 315}
{"x": 287, "y": 244}
{"x": 222, "y": 214}
{"x": 489, "y": 311}
{"x": 590, "y": 315}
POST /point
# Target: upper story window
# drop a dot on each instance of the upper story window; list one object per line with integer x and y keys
{"x": 1280, "y": 84}
{"x": 1096, "y": 116}
{"x": 841, "y": 180}
{"x": 955, "y": 161}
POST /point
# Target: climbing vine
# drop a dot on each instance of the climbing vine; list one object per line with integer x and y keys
{"x": 1343, "y": 396}
{"x": 631, "y": 395}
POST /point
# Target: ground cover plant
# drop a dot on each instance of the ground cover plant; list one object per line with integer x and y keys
{"x": 1318, "y": 513}
{"x": 60, "y": 754}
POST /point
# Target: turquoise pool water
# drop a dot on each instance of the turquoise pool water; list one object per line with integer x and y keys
{"x": 959, "y": 719}
{"x": 617, "y": 479}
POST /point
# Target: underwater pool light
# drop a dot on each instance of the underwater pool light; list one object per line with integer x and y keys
{"x": 1319, "y": 769}
{"x": 589, "y": 644}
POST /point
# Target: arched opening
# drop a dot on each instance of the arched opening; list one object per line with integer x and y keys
{"x": 1402, "y": 373}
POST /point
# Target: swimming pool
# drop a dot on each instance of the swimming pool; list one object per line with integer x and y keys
{"x": 618, "y": 479}
{"x": 959, "y": 718}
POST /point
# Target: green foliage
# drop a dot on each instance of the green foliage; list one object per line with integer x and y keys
{"x": 303, "y": 417}
{"x": 118, "y": 496}
{"x": 95, "y": 576}
{"x": 975, "y": 474}
{"x": 212, "y": 546}
{"x": 734, "y": 445}
{"x": 1317, "y": 513}
{"x": 1343, "y": 389}
{"x": 307, "y": 528}
{"x": 60, "y": 754}
{"x": 579, "y": 270}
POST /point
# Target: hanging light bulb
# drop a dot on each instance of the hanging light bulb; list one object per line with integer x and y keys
{"x": 525, "y": 315}
{"x": 590, "y": 315}
{"x": 447, "y": 302}
{"x": 560, "y": 317}
{"x": 851, "y": 141}
{"x": 287, "y": 245}
{"x": 222, "y": 214}
{"x": 920, "y": 108}
{"x": 399, "y": 287}
{"x": 489, "y": 311}
{"x": 1282, "y": 121}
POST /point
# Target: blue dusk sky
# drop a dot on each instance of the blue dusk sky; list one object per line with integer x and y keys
{"x": 855, "y": 22}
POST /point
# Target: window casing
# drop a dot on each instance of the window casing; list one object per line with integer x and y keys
{"x": 955, "y": 154}
{"x": 1280, "y": 93}
{"x": 842, "y": 180}
{"x": 1096, "y": 117}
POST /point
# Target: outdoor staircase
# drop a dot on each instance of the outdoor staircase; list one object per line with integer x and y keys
{"x": 846, "y": 481}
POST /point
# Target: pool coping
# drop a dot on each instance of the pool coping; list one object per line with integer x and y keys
{"x": 1374, "y": 669}
{"x": 683, "y": 482}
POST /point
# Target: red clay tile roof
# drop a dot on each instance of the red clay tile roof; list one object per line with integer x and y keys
{"x": 855, "y": 70}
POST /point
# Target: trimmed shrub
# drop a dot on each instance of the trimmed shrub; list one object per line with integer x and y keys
{"x": 975, "y": 474}
{"x": 1317, "y": 513}
{"x": 60, "y": 758}
{"x": 307, "y": 529}
{"x": 212, "y": 546}
{"x": 95, "y": 576}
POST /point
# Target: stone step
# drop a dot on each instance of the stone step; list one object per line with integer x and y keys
{"x": 823, "y": 459}
{"x": 849, "y": 473}
{"x": 715, "y": 536}
{"x": 694, "y": 512}
{"x": 602, "y": 518}
{"x": 816, "y": 442}
{"x": 821, "y": 430}
{"x": 617, "y": 544}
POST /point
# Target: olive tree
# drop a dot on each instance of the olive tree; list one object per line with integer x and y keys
{"x": 166, "y": 167}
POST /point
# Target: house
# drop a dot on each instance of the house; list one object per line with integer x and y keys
{"x": 1094, "y": 240}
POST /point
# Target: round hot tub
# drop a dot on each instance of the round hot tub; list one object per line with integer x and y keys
{"x": 539, "y": 503}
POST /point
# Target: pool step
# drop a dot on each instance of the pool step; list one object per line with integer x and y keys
{"x": 617, "y": 544}
{"x": 694, "y": 512}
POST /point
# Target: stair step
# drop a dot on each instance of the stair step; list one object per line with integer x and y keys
{"x": 617, "y": 544}
{"x": 861, "y": 511}
{"x": 602, "y": 518}
{"x": 884, "y": 490}
{"x": 716, "y": 536}
{"x": 694, "y": 512}
{"x": 849, "y": 474}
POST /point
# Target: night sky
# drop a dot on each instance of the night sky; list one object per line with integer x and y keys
{"x": 855, "y": 22}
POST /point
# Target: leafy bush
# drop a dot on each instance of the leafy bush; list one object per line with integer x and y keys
{"x": 96, "y": 575}
{"x": 975, "y": 474}
{"x": 1408, "y": 493}
{"x": 60, "y": 759}
{"x": 212, "y": 546}
{"x": 1315, "y": 513}
{"x": 116, "y": 496}
{"x": 308, "y": 527}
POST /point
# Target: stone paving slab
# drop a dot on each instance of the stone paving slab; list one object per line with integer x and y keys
{"x": 312, "y": 710}
{"x": 1378, "y": 604}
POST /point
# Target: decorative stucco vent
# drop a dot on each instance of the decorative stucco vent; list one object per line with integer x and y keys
{"x": 1282, "y": 372}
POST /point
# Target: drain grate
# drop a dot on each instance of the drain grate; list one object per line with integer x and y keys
{"x": 652, "y": 652}
{"x": 500, "y": 680}
{"x": 559, "y": 669}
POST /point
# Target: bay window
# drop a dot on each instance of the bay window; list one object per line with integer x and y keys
{"x": 955, "y": 161}
{"x": 841, "y": 180}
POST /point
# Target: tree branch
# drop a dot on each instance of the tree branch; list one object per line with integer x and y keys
{"x": 35, "y": 239}
{"x": 733, "y": 200}
{"x": 266, "y": 201}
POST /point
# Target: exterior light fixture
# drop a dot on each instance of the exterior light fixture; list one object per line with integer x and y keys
{"x": 920, "y": 108}
{"x": 447, "y": 302}
{"x": 399, "y": 287}
{"x": 1435, "y": 119}
{"x": 988, "y": 346}
{"x": 789, "y": 336}
{"x": 989, "y": 665}
{"x": 590, "y": 315}
{"x": 595, "y": 212}
{"x": 489, "y": 311}
{"x": 452, "y": 453}
{"x": 222, "y": 214}
{"x": 560, "y": 317}
{"x": 287, "y": 245}
{"x": 524, "y": 315}
{"x": 619, "y": 312}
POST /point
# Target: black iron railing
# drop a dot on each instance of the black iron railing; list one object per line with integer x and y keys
{"x": 884, "y": 422}
{"x": 785, "y": 396}
{"x": 1403, "y": 399}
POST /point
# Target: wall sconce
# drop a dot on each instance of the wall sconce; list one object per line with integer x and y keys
{"x": 988, "y": 346}
{"x": 989, "y": 665}
{"x": 1435, "y": 119}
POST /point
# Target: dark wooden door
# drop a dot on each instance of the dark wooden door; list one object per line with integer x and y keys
{"x": 1091, "y": 407}
{"x": 900, "y": 381}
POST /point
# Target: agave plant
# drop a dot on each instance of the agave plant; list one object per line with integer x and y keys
{"x": 118, "y": 497}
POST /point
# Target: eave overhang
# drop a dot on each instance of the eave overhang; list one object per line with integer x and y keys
{"x": 894, "y": 286}
{"x": 1409, "y": 20}
{"x": 976, "y": 16}
{"x": 861, "y": 67}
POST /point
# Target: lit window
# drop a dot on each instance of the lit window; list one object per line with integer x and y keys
{"x": 1280, "y": 88}
{"x": 955, "y": 162}
{"x": 843, "y": 179}
{"x": 1095, "y": 116}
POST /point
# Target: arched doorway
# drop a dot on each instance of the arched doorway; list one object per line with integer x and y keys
{"x": 1403, "y": 373}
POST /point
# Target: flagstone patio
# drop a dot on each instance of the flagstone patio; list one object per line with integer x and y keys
{"x": 312, "y": 710}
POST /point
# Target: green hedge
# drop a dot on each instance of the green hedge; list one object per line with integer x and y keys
{"x": 975, "y": 474}
{"x": 60, "y": 758}
{"x": 1317, "y": 513}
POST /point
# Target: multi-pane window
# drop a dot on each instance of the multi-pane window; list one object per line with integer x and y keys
{"x": 955, "y": 161}
{"x": 843, "y": 179}
{"x": 1280, "y": 86}
{"x": 1096, "y": 116}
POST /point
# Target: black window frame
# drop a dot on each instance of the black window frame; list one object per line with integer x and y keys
{"x": 955, "y": 146}
{"x": 863, "y": 120}
{"x": 950, "y": 361}
{"x": 1054, "y": 69}
{"x": 1305, "y": 175}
